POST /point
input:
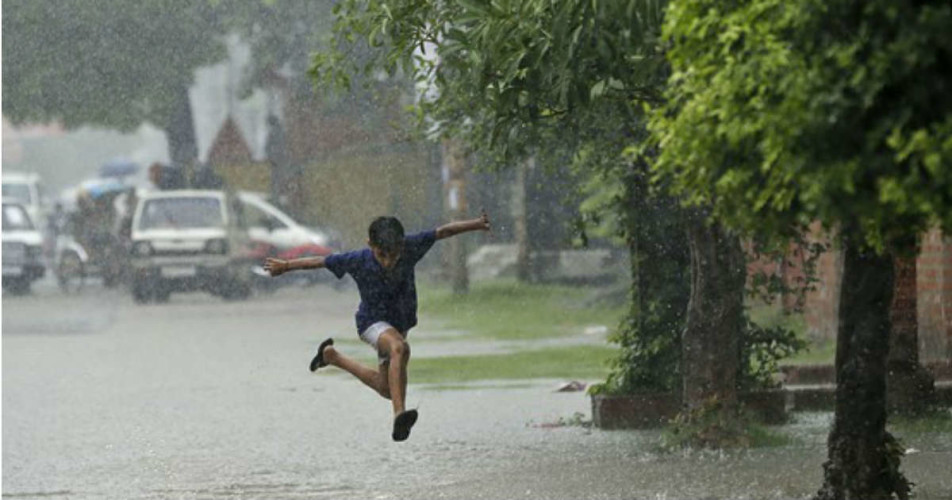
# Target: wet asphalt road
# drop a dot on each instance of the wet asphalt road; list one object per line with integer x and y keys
{"x": 201, "y": 398}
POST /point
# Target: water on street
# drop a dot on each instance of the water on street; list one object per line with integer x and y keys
{"x": 202, "y": 398}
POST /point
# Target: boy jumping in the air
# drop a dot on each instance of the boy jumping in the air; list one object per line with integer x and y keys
{"x": 388, "y": 304}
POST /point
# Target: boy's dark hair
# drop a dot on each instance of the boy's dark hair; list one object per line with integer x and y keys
{"x": 386, "y": 233}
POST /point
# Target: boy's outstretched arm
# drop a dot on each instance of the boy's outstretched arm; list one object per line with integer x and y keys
{"x": 480, "y": 223}
{"x": 278, "y": 267}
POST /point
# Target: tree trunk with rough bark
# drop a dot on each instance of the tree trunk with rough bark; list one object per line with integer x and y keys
{"x": 649, "y": 335}
{"x": 710, "y": 341}
{"x": 863, "y": 459}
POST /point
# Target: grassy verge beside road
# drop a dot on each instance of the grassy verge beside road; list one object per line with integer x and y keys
{"x": 569, "y": 363}
{"x": 508, "y": 310}
{"x": 511, "y": 311}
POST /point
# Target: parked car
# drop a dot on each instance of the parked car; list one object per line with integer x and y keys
{"x": 268, "y": 224}
{"x": 274, "y": 233}
{"x": 26, "y": 189}
{"x": 189, "y": 240}
{"x": 22, "y": 249}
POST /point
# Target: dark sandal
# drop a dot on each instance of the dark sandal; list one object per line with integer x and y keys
{"x": 402, "y": 425}
{"x": 318, "y": 361}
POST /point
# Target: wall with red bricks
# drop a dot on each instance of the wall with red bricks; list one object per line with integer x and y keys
{"x": 822, "y": 304}
{"x": 933, "y": 283}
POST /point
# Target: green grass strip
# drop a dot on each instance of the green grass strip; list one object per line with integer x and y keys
{"x": 507, "y": 310}
{"x": 574, "y": 362}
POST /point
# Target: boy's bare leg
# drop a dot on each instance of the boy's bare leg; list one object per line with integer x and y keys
{"x": 393, "y": 343}
{"x": 375, "y": 379}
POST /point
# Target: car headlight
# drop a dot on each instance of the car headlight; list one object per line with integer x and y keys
{"x": 142, "y": 249}
{"x": 217, "y": 246}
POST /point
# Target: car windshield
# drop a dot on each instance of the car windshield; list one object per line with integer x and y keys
{"x": 18, "y": 192}
{"x": 181, "y": 213}
{"x": 16, "y": 219}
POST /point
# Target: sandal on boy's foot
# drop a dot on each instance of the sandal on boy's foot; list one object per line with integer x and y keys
{"x": 318, "y": 360}
{"x": 402, "y": 424}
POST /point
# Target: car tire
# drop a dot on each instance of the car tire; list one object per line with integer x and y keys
{"x": 17, "y": 286}
{"x": 161, "y": 294}
{"x": 143, "y": 290}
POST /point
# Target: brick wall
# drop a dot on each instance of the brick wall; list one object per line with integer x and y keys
{"x": 934, "y": 283}
{"x": 934, "y": 297}
{"x": 821, "y": 304}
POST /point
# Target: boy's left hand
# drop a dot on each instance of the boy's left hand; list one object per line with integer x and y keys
{"x": 484, "y": 223}
{"x": 275, "y": 267}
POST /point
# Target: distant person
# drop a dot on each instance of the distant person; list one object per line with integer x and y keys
{"x": 166, "y": 177}
{"x": 388, "y": 304}
{"x": 56, "y": 223}
{"x": 155, "y": 176}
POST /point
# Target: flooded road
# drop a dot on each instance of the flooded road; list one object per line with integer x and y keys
{"x": 201, "y": 398}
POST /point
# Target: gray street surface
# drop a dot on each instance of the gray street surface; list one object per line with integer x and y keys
{"x": 201, "y": 398}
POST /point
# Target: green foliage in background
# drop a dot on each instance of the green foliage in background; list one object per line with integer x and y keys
{"x": 780, "y": 113}
{"x": 108, "y": 63}
{"x": 503, "y": 72}
{"x": 761, "y": 350}
{"x": 650, "y": 363}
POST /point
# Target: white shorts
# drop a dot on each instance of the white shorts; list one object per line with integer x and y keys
{"x": 372, "y": 334}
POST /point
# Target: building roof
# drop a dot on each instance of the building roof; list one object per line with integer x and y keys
{"x": 229, "y": 146}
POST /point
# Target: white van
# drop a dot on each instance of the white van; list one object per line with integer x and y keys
{"x": 189, "y": 240}
{"x": 27, "y": 190}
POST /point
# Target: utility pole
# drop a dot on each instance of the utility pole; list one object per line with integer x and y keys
{"x": 520, "y": 225}
{"x": 454, "y": 205}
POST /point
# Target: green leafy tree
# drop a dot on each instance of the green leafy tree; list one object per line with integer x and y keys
{"x": 553, "y": 80}
{"x": 108, "y": 63}
{"x": 517, "y": 78}
{"x": 784, "y": 112}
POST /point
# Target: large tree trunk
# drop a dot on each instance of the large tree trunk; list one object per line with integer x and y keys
{"x": 910, "y": 387}
{"x": 863, "y": 458}
{"x": 659, "y": 261}
{"x": 710, "y": 341}
{"x": 180, "y": 132}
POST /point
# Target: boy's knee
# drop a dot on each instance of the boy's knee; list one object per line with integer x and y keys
{"x": 400, "y": 350}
